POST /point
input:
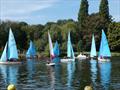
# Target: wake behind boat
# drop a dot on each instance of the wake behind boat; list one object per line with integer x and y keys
{"x": 10, "y": 53}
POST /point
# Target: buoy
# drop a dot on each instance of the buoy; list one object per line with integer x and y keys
{"x": 88, "y": 88}
{"x": 11, "y": 87}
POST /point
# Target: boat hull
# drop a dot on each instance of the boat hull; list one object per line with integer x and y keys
{"x": 50, "y": 64}
{"x": 67, "y": 60}
{"x": 103, "y": 59}
{"x": 10, "y": 63}
{"x": 81, "y": 57}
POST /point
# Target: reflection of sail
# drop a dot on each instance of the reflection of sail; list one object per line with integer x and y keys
{"x": 52, "y": 78}
{"x": 56, "y": 60}
{"x": 9, "y": 73}
{"x": 70, "y": 70}
{"x": 105, "y": 71}
{"x": 30, "y": 68}
{"x": 93, "y": 71}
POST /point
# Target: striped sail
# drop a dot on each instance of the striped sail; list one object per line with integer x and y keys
{"x": 50, "y": 46}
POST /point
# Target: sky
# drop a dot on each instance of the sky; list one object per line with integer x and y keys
{"x": 43, "y": 11}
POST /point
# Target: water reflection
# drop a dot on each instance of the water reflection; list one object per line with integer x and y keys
{"x": 9, "y": 73}
{"x": 105, "y": 74}
{"x": 93, "y": 69}
{"x": 30, "y": 68}
{"x": 56, "y": 60}
{"x": 70, "y": 72}
{"x": 51, "y": 74}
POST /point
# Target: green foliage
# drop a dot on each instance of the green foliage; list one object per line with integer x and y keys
{"x": 114, "y": 36}
{"x": 81, "y": 31}
{"x": 83, "y": 12}
{"x": 104, "y": 14}
{"x": 104, "y": 9}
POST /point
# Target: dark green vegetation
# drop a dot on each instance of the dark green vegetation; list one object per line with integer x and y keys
{"x": 81, "y": 31}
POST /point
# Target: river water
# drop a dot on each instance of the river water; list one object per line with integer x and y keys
{"x": 35, "y": 75}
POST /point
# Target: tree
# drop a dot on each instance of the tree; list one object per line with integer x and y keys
{"x": 104, "y": 14}
{"x": 83, "y": 12}
{"x": 114, "y": 36}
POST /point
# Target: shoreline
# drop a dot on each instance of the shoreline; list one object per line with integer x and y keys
{"x": 41, "y": 56}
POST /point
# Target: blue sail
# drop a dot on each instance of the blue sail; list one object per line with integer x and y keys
{"x": 12, "y": 49}
{"x": 4, "y": 54}
{"x": 72, "y": 54}
{"x": 31, "y": 50}
{"x": 56, "y": 49}
{"x": 93, "y": 48}
{"x": 104, "y": 47}
{"x": 69, "y": 46}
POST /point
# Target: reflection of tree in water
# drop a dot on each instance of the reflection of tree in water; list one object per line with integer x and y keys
{"x": 82, "y": 74}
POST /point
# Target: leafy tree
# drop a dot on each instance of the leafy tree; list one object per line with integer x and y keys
{"x": 104, "y": 14}
{"x": 114, "y": 36}
{"x": 83, "y": 12}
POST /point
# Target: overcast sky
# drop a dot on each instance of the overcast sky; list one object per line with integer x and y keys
{"x": 43, "y": 11}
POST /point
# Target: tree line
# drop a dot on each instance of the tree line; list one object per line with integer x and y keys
{"x": 81, "y": 31}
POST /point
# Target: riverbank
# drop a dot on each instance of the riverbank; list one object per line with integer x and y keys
{"x": 41, "y": 56}
{"x": 113, "y": 53}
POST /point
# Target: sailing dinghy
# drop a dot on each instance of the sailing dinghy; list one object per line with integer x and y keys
{"x": 10, "y": 53}
{"x": 70, "y": 52}
{"x": 31, "y": 52}
{"x": 52, "y": 55}
{"x": 56, "y": 49}
{"x": 104, "y": 52}
{"x": 93, "y": 53}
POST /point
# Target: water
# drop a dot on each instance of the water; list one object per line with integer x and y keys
{"x": 35, "y": 75}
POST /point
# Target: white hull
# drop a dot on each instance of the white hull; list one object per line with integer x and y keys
{"x": 67, "y": 60}
{"x": 103, "y": 59}
{"x": 10, "y": 63}
{"x": 81, "y": 57}
{"x": 50, "y": 64}
{"x": 93, "y": 57}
